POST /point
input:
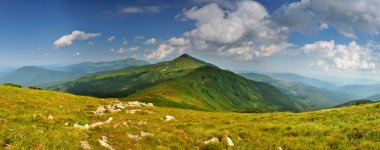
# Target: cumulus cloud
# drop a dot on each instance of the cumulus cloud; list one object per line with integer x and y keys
{"x": 111, "y": 38}
{"x": 122, "y": 50}
{"x": 165, "y": 49}
{"x": 244, "y": 31}
{"x": 345, "y": 16}
{"x": 68, "y": 40}
{"x": 332, "y": 56}
{"x": 140, "y": 10}
{"x": 151, "y": 41}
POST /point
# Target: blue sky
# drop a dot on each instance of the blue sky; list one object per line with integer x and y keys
{"x": 265, "y": 36}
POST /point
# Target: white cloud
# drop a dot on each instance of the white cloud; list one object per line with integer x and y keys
{"x": 246, "y": 31}
{"x": 68, "y": 40}
{"x": 91, "y": 44}
{"x": 125, "y": 42}
{"x": 76, "y": 54}
{"x": 111, "y": 38}
{"x": 345, "y": 16}
{"x": 165, "y": 49}
{"x": 133, "y": 49}
{"x": 333, "y": 56}
{"x": 122, "y": 50}
{"x": 140, "y": 10}
{"x": 112, "y": 50}
{"x": 151, "y": 41}
{"x": 139, "y": 38}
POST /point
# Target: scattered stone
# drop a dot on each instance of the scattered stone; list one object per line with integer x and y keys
{"x": 100, "y": 110}
{"x": 50, "y": 117}
{"x": 121, "y": 106}
{"x": 229, "y": 141}
{"x": 279, "y": 148}
{"x": 104, "y": 143}
{"x": 143, "y": 134}
{"x": 60, "y": 106}
{"x": 211, "y": 141}
{"x": 85, "y": 145}
{"x": 116, "y": 125}
{"x": 133, "y": 137}
{"x": 142, "y": 123}
{"x": 169, "y": 118}
{"x": 67, "y": 124}
{"x": 125, "y": 123}
{"x": 93, "y": 125}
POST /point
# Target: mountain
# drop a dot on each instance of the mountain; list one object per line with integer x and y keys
{"x": 201, "y": 86}
{"x": 361, "y": 91}
{"x": 93, "y": 67}
{"x": 210, "y": 88}
{"x": 292, "y": 77}
{"x": 37, "y": 119}
{"x": 355, "y": 102}
{"x": 313, "y": 97}
{"x": 373, "y": 97}
{"x": 34, "y": 76}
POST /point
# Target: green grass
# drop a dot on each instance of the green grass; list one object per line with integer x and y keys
{"x": 24, "y": 125}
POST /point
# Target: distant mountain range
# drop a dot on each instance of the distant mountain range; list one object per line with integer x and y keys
{"x": 361, "y": 91}
{"x": 314, "y": 97}
{"x": 41, "y": 77}
{"x": 93, "y": 67}
{"x": 292, "y": 77}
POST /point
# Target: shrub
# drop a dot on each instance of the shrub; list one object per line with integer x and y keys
{"x": 12, "y": 85}
{"x": 35, "y": 88}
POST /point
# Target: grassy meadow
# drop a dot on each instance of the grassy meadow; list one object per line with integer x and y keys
{"x": 25, "y": 124}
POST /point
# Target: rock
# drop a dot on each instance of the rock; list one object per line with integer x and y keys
{"x": 143, "y": 134}
{"x": 211, "y": 141}
{"x": 104, "y": 143}
{"x": 82, "y": 127}
{"x": 67, "y": 124}
{"x": 50, "y": 117}
{"x": 169, "y": 118}
{"x": 85, "y": 145}
{"x": 133, "y": 137}
{"x": 94, "y": 124}
{"x": 125, "y": 123}
{"x": 279, "y": 148}
{"x": 100, "y": 110}
{"x": 229, "y": 141}
{"x": 142, "y": 123}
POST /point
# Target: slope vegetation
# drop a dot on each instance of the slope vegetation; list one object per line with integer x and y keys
{"x": 25, "y": 124}
{"x": 210, "y": 88}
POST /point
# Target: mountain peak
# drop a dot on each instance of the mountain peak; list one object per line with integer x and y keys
{"x": 191, "y": 58}
{"x": 185, "y": 55}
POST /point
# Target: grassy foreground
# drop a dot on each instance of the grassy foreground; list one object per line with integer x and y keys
{"x": 25, "y": 124}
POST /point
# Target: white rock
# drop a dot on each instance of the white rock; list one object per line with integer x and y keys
{"x": 67, "y": 124}
{"x": 104, "y": 143}
{"x": 279, "y": 148}
{"x": 169, "y": 118}
{"x": 82, "y": 127}
{"x": 133, "y": 137}
{"x": 85, "y": 145}
{"x": 50, "y": 117}
{"x": 143, "y": 134}
{"x": 211, "y": 141}
{"x": 229, "y": 142}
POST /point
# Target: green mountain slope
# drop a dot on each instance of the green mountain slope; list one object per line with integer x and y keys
{"x": 25, "y": 124}
{"x": 313, "y": 97}
{"x": 34, "y": 76}
{"x": 121, "y": 83}
{"x": 210, "y": 88}
{"x": 93, "y": 67}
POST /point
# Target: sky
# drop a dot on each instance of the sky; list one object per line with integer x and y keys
{"x": 312, "y": 37}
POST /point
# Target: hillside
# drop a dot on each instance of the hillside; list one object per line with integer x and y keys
{"x": 373, "y": 97}
{"x": 313, "y": 97}
{"x": 210, "y": 88}
{"x": 121, "y": 83}
{"x": 25, "y": 113}
{"x": 93, "y": 67}
{"x": 34, "y": 76}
